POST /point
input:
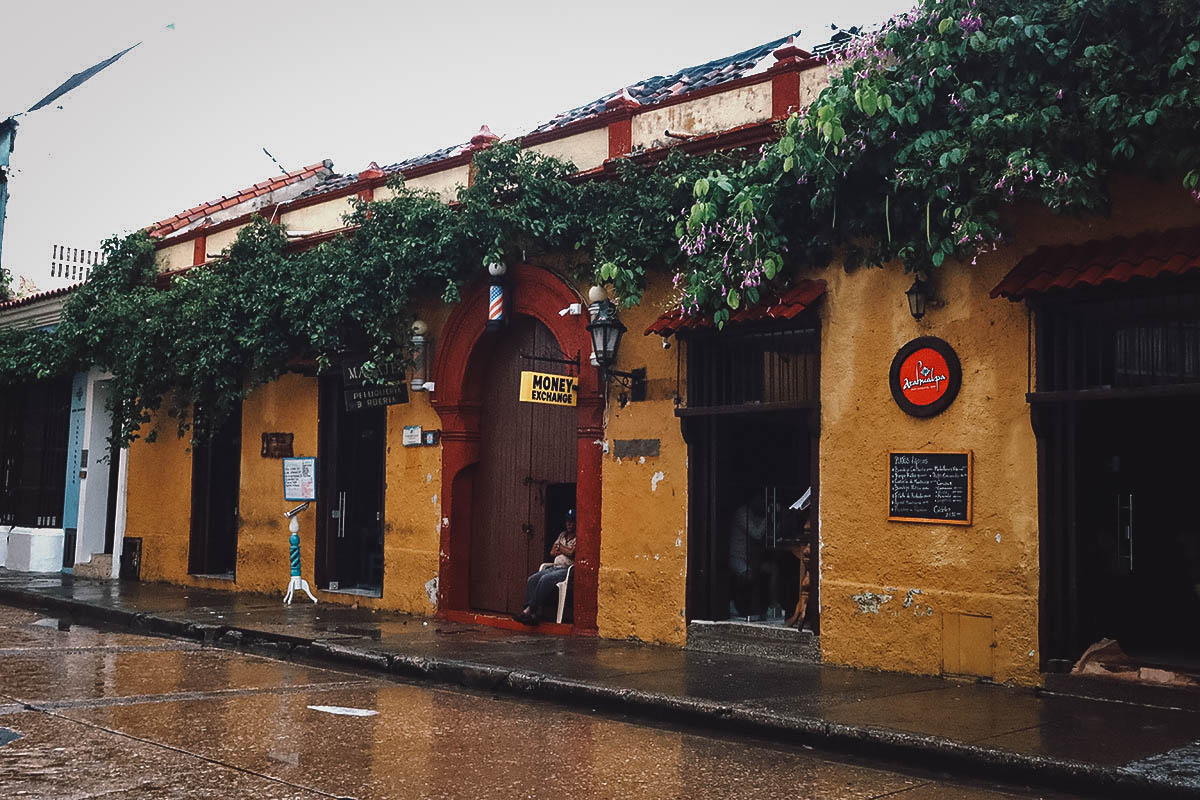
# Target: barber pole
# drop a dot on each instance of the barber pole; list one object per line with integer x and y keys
{"x": 495, "y": 317}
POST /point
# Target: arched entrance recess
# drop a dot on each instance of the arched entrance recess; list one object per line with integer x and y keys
{"x": 463, "y": 344}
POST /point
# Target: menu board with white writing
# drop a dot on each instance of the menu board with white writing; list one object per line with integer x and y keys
{"x": 930, "y": 487}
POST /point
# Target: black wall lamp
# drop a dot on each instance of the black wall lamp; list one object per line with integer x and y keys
{"x": 606, "y": 330}
{"x": 918, "y": 295}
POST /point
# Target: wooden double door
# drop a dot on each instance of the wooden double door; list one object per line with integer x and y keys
{"x": 526, "y": 476}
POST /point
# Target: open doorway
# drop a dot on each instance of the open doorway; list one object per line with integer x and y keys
{"x": 751, "y": 424}
{"x": 751, "y": 533}
{"x": 526, "y": 475}
{"x": 216, "y": 471}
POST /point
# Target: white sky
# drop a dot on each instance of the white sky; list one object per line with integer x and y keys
{"x": 182, "y": 119}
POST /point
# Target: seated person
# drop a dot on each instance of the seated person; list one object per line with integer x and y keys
{"x": 543, "y": 584}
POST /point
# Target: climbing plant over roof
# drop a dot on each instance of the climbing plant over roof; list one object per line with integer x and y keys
{"x": 930, "y": 126}
{"x": 206, "y": 337}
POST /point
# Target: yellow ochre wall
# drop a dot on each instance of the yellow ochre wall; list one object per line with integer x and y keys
{"x": 890, "y": 589}
{"x": 643, "y": 545}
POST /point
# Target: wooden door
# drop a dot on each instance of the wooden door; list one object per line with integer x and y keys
{"x": 525, "y": 448}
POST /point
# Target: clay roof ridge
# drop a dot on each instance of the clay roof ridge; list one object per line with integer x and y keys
{"x": 182, "y": 219}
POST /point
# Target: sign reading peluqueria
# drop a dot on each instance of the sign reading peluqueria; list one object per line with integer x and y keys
{"x": 540, "y": 387}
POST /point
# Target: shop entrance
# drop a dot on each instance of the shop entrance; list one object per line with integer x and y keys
{"x": 526, "y": 474}
{"x": 1138, "y": 529}
{"x": 216, "y": 470}
{"x": 1115, "y": 413}
{"x": 750, "y": 424}
{"x": 350, "y": 471}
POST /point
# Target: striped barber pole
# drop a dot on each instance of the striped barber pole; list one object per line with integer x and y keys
{"x": 495, "y": 307}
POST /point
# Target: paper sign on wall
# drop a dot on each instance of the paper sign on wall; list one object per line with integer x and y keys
{"x": 299, "y": 479}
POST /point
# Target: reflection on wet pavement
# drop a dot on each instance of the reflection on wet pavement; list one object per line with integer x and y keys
{"x": 129, "y": 715}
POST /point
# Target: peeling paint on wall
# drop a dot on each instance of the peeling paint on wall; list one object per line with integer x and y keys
{"x": 869, "y": 602}
{"x": 654, "y": 481}
{"x": 910, "y": 596}
{"x": 431, "y": 590}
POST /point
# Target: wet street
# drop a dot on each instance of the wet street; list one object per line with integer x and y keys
{"x": 87, "y": 713}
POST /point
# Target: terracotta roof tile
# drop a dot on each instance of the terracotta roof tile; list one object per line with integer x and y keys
{"x": 795, "y": 300}
{"x": 184, "y": 218}
{"x": 1103, "y": 262}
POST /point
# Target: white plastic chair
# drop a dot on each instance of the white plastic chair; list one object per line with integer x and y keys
{"x": 562, "y": 588}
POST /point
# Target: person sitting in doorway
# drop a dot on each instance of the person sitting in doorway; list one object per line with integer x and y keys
{"x": 542, "y": 585}
{"x": 753, "y": 567}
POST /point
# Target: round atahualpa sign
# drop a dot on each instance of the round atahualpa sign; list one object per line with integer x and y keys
{"x": 925, "y": 376}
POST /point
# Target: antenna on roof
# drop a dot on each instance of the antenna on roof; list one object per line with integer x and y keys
{"x": 281, "y": 169}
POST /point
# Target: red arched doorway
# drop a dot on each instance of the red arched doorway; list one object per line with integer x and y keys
{"x": 460, "y": 368}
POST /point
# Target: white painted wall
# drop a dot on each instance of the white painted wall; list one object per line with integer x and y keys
{"x": 93, "y": 490}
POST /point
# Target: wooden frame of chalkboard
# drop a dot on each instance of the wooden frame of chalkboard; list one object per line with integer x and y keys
{"x": 932, "y": 519}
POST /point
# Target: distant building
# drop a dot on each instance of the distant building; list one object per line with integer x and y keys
{"x": 72, "y": 264}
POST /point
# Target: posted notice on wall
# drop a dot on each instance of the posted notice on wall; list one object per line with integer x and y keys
{"x": 299, "y": 479}
{"x": 555, "y": 390}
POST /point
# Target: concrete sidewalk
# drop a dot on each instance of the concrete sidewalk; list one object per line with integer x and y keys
{"x": 1016, "y": 735}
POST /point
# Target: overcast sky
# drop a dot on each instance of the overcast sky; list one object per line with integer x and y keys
{"x": 184, "y": 117}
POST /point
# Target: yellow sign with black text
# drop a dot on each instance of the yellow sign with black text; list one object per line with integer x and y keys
{"x": 555, "y": 390}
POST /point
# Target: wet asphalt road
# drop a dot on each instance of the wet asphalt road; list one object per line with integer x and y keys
{"x": 86, "y": 713}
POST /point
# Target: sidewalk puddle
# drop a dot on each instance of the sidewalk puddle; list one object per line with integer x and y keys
{"x": 345, "y": 712}
{"x": 51, "y": 622}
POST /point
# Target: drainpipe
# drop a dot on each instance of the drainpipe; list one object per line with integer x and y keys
{"x": 8, "y": 135}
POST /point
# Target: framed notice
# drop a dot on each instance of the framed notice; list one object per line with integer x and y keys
{"x": 925, "y": 377}
{"x": 930, "y": 487}
{"x": 299, "y": 479}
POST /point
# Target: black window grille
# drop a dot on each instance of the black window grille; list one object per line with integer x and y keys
{"x": 761, "y": 369}
{"x": 34, "y": 419}
{"x": 1115, "y": 342}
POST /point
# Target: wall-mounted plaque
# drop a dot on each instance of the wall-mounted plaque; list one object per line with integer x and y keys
{"x": 277, "y": 445}
{"x": 930, "y": 487}
{"x": 925, "y": 377}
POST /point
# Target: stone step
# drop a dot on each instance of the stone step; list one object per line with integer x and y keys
{"x": 754, "y": 639}
{"x": 100, "y": 566}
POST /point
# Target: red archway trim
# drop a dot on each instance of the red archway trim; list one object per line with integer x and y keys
{"x": 540, "y": 294}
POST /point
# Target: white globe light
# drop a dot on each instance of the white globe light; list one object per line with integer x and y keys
{"x": 596, "y": 294}
{"x": 496, "y": 269}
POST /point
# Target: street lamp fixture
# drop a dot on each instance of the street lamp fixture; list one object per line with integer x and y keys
{"x": 606, "y": 330}
{"x": 917, "y": 295}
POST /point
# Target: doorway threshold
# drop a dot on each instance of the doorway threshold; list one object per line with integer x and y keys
{"x": 770, "y": 640}
{"x": 215, "y": 576}
{"x": 356, "y": 592}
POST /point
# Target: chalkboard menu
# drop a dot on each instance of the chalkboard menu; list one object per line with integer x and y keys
{"x": 930, "y": 487}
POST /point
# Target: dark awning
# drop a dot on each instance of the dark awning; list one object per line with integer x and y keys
{"x": 1103, "y": 262}
{"x": 794, "y": 301}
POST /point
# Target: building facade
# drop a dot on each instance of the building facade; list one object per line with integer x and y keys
{"x": 960, "y": 542}
{"x": 61, "y": 481}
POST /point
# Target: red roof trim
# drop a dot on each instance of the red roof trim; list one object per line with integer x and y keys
{"x": 797, "y": 298}
{"x": 170, "y": 225}
{"x": 745, "y": 135}
{"x": 33, "y": 298}
{"x": 1152, "y": 254}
